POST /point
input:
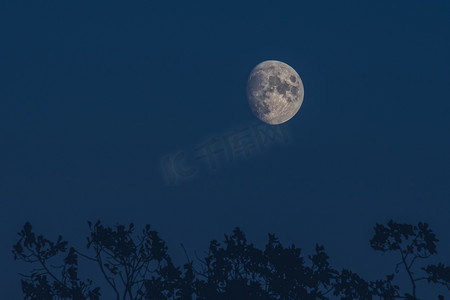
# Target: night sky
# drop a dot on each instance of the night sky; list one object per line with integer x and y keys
{"x": 94, "y": 97}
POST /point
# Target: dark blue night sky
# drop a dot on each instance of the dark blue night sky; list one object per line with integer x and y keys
{"x": 94, "y": 95}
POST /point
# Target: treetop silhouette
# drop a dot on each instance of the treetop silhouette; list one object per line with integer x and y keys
{"x": 137, "y": 265}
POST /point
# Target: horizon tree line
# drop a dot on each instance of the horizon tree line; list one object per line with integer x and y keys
{"x": 137, "y": 266}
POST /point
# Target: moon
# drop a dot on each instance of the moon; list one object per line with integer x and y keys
{"x": 274, "y": 91}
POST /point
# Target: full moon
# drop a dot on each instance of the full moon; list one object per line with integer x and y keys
{"x": 274, "y": 91}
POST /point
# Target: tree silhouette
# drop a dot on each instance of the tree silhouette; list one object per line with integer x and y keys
{"x": 138, "y": 266}
{"x": 141, "y": 265}
{"x": 233, "y": 270}
{"x": 47, "y": 280}
{"x": 412, "y": 243}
